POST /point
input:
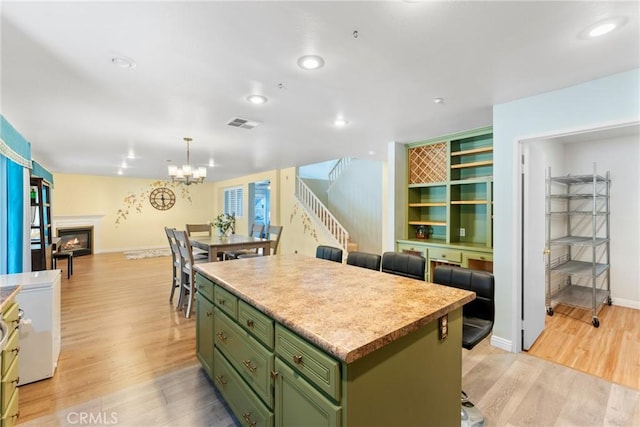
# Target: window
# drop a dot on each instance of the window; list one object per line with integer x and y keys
{"x": 233, "y": 201}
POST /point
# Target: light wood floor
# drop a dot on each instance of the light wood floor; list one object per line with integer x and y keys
{"x": 611, "y": 351}
{"x": 128, "y": 359}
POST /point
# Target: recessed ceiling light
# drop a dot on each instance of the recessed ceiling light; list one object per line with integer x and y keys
{"x": 438, "y": 100}
{"x": 340, "y": 122}
{"x": 310, "y": 62}
{"x": 211, "y": 163}
{"x": 123, "y": 62}
{"x": 119, "y": 171}
{"x": 372, "y": 153}
{"x": 257, "y": 99}
{"x": 131, "y": 154}
{"x": 603, "y": 27}
{"x": 123, "y": 165}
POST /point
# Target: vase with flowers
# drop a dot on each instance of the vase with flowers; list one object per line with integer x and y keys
{"x": 225, "y": 224}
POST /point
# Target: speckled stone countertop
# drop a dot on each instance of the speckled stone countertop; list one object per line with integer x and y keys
{"x": 7, "y": 293}
{"x": 347, "y": 311}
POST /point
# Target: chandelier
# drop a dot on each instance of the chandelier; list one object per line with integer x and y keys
{"x": 187, "y": 174}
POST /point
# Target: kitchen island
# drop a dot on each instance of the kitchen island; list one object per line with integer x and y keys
{"x": 291, "y": 340}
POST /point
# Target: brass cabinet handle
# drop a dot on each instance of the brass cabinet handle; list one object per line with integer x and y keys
{"x": 249, "y": 366}
{"x": 16, "y": 415}
{"x": 209, "y": 314}
{"x": 250, "y": 323}
{"x": 444, "y": 256}
{"x": 221, "y": 380}
{"x": 221, "y": 301}
{"x": 297, "y": 359}
{"x": 247, "y": 417}
{"x": 482, "y": 258}
{"x": 17, "y": 380}
{"x": 16, "y": 350}
{"x": 274, "y": 374}
{"x": 221, "y": 336}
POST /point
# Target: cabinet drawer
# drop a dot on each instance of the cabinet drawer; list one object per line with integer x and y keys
{"x": 246, "y": 406}
{"x": 413, "y": 249}
{"x": 9, "y": 383}
{"x": 257, "y": 323}
{"x": 10, "y": 351}
{"x": 315, "y": 365}
{"x": 226, "y": 301}
{"x": 11, "y": 413}
{"x": 204, "y": 286}
{"x": 252, "y": 361}
{"x": 301, "y": 404}
{"x": 445, "y": 254}
{"x": 11, "y": 316}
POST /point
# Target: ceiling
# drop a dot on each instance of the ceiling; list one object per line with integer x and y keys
{"x": 196, "y": 62}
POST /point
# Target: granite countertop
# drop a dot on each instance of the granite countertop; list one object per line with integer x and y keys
{"x": 7, "y": 293}
{"x": 347, "y": 311}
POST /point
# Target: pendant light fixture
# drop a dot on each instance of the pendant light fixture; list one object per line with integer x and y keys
{"x": 187, "y": 174}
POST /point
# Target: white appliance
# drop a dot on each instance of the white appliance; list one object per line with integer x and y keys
{"x": 39, "y": 299}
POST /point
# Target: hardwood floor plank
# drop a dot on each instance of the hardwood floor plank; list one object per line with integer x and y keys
{"x": 611, "y": 351}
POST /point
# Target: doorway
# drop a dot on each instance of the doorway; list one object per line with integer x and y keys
{"x": 260, "y": 203}
{"x": 611, "y": 148}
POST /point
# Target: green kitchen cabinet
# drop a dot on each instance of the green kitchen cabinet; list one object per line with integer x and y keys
{"x": 298, "y": 403}
{"x": 204, "y": 323}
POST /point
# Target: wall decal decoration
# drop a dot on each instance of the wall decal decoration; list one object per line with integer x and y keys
{"x": 133, "y": 202}
{"x": 306, "y": 220}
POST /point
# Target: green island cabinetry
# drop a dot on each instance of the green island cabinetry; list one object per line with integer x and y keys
{"x": 9, "y": 365}
{"x": 450, "y": 200}
{"x": 271, "y": 374}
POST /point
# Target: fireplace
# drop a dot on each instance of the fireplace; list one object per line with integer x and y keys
{"x": 78, "y": 240}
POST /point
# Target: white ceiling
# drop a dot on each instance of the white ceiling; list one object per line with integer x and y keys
{"x": 198, "y": 61}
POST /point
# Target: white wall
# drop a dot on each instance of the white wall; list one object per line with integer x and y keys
{"x": 600, "y": 103}
{"x": 619, "y": 156}
{"x": 355, "y": 199}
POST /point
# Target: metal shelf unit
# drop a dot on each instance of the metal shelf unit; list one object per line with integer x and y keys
{"x": 578, "y": 260}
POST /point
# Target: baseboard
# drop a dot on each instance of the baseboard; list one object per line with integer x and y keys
{"x": 626, "y": 303}
{"x": 501, "y": 343}
{"x": 139, "y": 248}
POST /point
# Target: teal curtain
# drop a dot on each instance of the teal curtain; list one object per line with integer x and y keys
{"x": 15, "y": 217}
{"x": 3, "y": 215}
{"x": 15, "y": 158}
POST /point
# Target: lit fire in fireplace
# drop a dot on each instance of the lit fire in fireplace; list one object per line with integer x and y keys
{"x": 72, "y": 244}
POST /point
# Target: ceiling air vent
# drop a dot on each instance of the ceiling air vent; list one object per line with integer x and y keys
{"x": 237, "y": 122}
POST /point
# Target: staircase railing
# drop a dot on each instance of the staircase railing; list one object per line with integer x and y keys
{"x": 337, "y": 169}
{"x": 315, "y": 206}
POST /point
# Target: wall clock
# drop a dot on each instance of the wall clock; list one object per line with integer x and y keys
{"x": 162, "y": 198}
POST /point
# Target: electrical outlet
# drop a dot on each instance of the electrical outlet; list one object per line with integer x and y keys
{"x": 443, "y": 327}
{"x": 462, "y": 232}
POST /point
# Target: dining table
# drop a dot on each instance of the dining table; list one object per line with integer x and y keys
{"x": 234, "y": 242}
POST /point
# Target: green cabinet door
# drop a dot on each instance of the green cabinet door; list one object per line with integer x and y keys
{"x": 299, "y": 404}
{"x": 204, "y": 333}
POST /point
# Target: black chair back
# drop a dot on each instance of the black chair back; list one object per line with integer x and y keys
{"x": 479, "y": 314}
{"x": 364, "y": 260}
{"x": 402, "y": 264}
{"x": 329, "y": 252}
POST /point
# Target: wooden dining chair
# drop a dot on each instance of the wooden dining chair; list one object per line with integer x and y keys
{"x": 187, "y": 273}
{"x": 177, "y": 261}
{"x": 274, "y": 232}
{"x": 194, "y": 230}
{"x": 256, "y": 231}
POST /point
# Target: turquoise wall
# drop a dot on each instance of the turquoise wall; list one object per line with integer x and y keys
{"x": 603, "y": 102}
